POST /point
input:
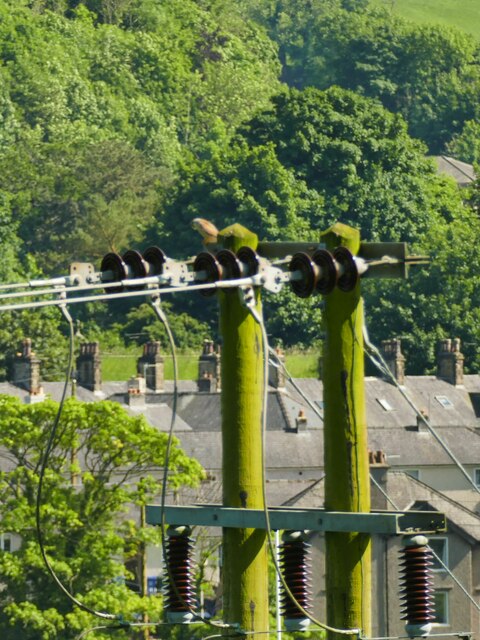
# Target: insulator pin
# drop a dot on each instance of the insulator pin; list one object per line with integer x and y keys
{"x": 416, "y": 583}
{"x": 294, "y": 563}
{"x": 179, "y": 591}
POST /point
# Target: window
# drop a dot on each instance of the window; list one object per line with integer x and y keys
{"x": 440, "y": 547}
{"x": 385, "y": 404}
{"x": 5, "y": 542}
{"x": 476, "y": 477}
{"x": 444, "y": 401}
{"x": 154, "y": 585}
{"x": 441, "y": 607}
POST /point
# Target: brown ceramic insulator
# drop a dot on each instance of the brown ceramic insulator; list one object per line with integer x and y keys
{"x": 114, "y": 264}
{"x": 208, "y": 264}
{"x": 294, "y": 564}
{"x": 180, "y": 585}
{"x": 416, "y": 592}
{"x": 305, "y": 286}
{"x": 349, "y": 277}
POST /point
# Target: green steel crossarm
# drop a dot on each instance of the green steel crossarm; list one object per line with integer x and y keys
{"x": 381, "y": 522}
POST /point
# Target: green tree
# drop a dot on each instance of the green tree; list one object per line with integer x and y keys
{"x": 104, "y": 462}
{"x": 430, "y": 74}
{"x": 316, "y": 157}
{"x": 466, "y": 145}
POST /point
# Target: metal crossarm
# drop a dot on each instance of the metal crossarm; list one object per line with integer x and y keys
{"x": 382, "y": 522}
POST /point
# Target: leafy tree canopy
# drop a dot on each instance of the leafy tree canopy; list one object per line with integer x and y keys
{"x": 316, "y": 157}
{"x": 104, "y": 460}
{"x": 430, "y": 74}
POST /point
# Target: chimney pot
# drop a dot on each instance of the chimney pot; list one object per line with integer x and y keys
{"x": 450, "y": 361}
{"x": 151, "y": 366}
{"x": 89, "y": 366}
{"x": 301, "y": 421}
{"x": 276, "y": 373}
{"x": 392, "y": 353}
{"x": 209, "y": 368}
{"x": 26, "y": 369}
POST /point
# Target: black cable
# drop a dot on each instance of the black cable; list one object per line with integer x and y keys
{"x": 249, "y": 302}
{"x": 156, "y": 306}
{"x": 43, "y": 467}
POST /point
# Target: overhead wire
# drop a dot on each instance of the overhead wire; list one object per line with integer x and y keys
{"x": 350, "y": 632}
{"x": 384, "y": 369}
{"x": 434, "y": 553}
{"x": 43, "y": 468}
{"x": 378, "y": 360}
{"x": 279, "y": 364}
{"x": 153, "y": 291}
{"x": 159, "y": 312}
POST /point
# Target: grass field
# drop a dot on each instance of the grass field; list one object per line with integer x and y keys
{"x": 464, "y": 14}
{"x": 117, "y": 367}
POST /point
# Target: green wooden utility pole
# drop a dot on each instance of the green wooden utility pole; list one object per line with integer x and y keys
{"x": 347, "y": 483}
{"x": 245, "y": 570}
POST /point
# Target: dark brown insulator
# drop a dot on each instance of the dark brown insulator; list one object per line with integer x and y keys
{"x": 294, "y": 562}
{"x": 179, "y": 583}
{"x": 416, "y": 593}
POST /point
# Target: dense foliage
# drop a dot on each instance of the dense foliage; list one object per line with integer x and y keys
{"x": 104, "y": 462}
{"x": 430, "y": 74}
{"x": 121, "y": 120}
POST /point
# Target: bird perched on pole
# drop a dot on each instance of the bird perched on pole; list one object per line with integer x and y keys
{"x": 206, "y": 229}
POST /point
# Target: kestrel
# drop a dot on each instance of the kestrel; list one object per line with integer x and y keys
{"x": 206, "y": 229}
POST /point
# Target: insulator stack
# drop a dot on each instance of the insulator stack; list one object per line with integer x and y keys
{"x": 180, "y": 587}
{"x": 417, "y": 586}
{"x": 294, "y": 563}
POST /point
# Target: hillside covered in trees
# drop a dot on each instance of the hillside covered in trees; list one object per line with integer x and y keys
{"x": 121, "y": 120}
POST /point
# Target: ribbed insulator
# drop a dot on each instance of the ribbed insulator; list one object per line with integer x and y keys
{"x": 294, "y": 563}
{"x": 416, "y": 591}
{"x": 179, "y": 589}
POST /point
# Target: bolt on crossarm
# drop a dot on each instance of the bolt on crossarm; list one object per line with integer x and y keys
{"x": 347, "y": 485}
{"x": 245, "y": 574}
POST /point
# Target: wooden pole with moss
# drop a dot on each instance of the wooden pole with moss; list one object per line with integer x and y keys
{"x": 347, "y": 483}
{"x": 245, "y": 568}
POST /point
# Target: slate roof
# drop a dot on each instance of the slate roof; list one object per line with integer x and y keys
{"x": 391, "y": 421}
{"x": 409, "y": 493}
{"x": 461, "y": 172}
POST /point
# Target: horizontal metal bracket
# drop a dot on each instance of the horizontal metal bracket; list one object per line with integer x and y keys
{"x": 382, "y": 522}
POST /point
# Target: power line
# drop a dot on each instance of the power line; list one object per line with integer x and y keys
{"x": 378, "y": 360}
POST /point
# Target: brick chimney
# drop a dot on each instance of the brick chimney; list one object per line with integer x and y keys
{"x": 209, "y": 376}
{"x": 136, "y": 392}
{"x": 301, "y": 422}
{"x": 89, "y": 367}
{"x": 450, "y": 361}
{"x": 26, "y": 369}
{"x": 392, "y": 353}
{"x": 276, "y": 374}
{"x": 151, "y": 366}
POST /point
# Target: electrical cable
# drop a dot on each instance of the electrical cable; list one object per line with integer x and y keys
{"x": 384, "y": 369}
{"x": 378, "y": 360}
{"x": 250, "y": 302}
{"x": 454, "y": 634}
{"x": 114, "y": 627}
{"x": 43, "y": 467}
{"x": 279, "y": 364}
{"x": 157, "y": 308}
{"x": 434, "y": 553}
{"x": 155, "y": 290}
